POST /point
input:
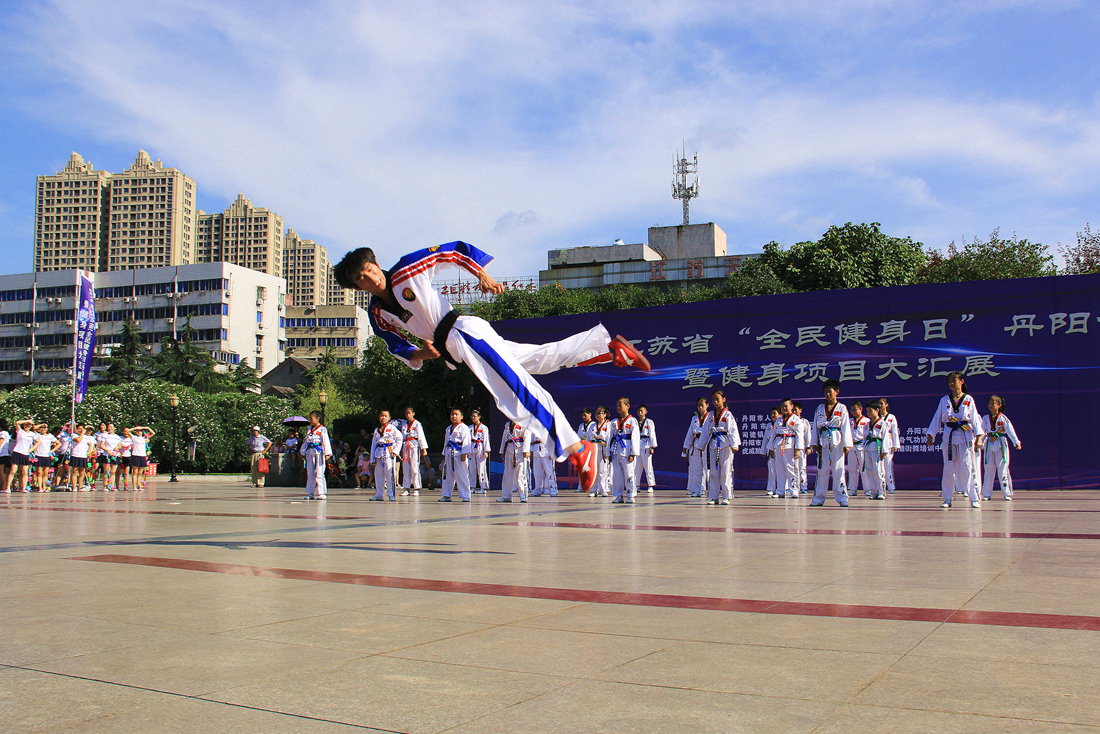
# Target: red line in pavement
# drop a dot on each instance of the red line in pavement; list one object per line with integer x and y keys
{"x": 759, "y": 606}
{"x": 803, "y": 531}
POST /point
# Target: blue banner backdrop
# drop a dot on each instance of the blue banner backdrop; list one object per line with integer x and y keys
{"x": 1034, "y": 341}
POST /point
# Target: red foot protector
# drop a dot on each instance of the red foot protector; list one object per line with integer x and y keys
{"x": 625, "y": 355}
{"x": 584, "y": 461}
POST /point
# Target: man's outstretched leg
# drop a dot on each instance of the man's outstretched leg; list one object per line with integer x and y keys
{"x": 518, "y": 395}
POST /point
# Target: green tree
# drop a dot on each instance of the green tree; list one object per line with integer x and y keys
{"x": 245, "y": 378}
{"x": 852, "y": 256}
{"x": 754, "y": 278}
{"x": 182, "y": 362}
{"x": 1084, "y": 257}
{"x": 128, "y": 359}
{"x": 993, "y": 260}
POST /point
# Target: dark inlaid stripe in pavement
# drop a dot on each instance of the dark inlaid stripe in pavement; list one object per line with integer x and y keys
{"x": 804, "y": 531}
{"x": 758, "y": 606}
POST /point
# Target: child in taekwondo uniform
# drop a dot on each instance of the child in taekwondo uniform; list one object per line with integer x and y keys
{"x": 601, "y": 437}
{"x": 456, "y": 447}
{"x": 895, "y": 442}
{"x": 723, "y": 441}
{"x": 876, "y": 445}
{"x": 586, "y": 430}
{"x": 859, "y": 427}
{"x": 385, "y": 446}
{"x": 831, "y": 438}
{"x": 999, "y": 434}
{"x": 414, "y": 449}
{"x": 695, "y": 450}
{"x": 647, "y": 436}
{"x": 515, "y": 449}
{"x": 479, "y": 456}
{"x": 804, "y": 425}
{"x": 787, "y": 450}
{"x": 316, "y": 447}
{"x": 766, "y": 449}
{"x": 625, "y": 445}
{"x": 542, "y": 469}
{"x": 957, "y": 417}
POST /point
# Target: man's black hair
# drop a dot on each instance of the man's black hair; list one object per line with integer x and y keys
{"x": 345, "y": 271}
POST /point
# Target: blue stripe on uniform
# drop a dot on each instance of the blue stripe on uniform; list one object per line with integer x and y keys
{"x": 541, "y": 413}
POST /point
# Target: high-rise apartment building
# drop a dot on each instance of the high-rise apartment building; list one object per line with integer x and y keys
{"x": 71, "y": 213}
{"x": 308, "y": 271}
{"x": 244, "y": 235}
{"x": 152, "y": 217}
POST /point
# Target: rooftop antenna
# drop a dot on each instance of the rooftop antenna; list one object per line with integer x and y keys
{"x": 681, "y": 189}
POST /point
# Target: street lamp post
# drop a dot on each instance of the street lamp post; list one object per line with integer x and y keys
{"x": 323, "y": 398}
{"x": 174, "y": 401}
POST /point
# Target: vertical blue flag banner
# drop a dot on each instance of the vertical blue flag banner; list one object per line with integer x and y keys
{"x": 86, "y": 327}
{"x": 1033, "y": 341}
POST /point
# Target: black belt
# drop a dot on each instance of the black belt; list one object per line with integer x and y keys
{"x": 439, "y": 338}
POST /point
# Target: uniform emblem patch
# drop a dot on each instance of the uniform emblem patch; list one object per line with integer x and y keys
{"x": 408, "y": 294}
{"x": 433, "y": 249}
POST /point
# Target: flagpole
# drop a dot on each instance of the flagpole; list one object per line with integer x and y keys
{"x": 76, "y": 331}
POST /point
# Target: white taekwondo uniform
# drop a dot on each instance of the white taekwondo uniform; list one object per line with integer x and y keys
{"x": 413, "y": 443}
{"x": 998, "y": 439}
{"x": 479, "y": 457}
{"x": 803, "y": 478}
{"x": 695, "y": 449}
{"x": 788, "y": 437}
{"x": 961, "y": 425}
{"x": 601, "y": 436}
{"x": 624, "y": 444}
{"x": 504, "y": 367}
{"x": 832, "y": 434}
{"x": 456, "y": 446}
{"x": 647, "y": 436}
{"x": 888, "y": 462}
{"x": 514, "y": 449}
{"x": 542, "y": 470}
{"x": 384, "y": 447}
{"x": 766, "y": 449}
{"x": 587, "y": 432}
{"x": 723, "y": 439}
{"x": 878, "y": 441}
{"x": 855, "y": 456}
{"x": 316, "y": 448}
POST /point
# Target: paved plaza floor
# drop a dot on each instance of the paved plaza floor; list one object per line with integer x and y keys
{"x": 215, "y": 607}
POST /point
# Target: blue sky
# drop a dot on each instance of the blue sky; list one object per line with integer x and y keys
{"x": 523, "y": 127}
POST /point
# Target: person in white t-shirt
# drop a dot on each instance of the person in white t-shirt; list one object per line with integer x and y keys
{"x": 101, "y": 464}
{"x": 125, "y": 446}
{"x": 109, "y": 459}
{"x": 5, "y": 456}
{"x": 21, "y": 454}
{"x": 79, "y": 447}
{"x": 45, "y": 443}
{"x": 139, "y": 455}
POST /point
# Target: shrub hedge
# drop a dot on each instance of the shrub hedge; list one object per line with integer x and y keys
{"x": 222, "y": 420}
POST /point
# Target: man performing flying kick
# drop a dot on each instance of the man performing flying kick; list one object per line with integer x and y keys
{"x": 403, "y": 299}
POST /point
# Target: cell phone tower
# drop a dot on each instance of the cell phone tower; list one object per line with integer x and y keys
{"x": 681, "y": 189}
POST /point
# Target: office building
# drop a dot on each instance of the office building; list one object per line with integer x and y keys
{"x": 244, "y": 235}
{"x": 307, "y": 269}
{"x": 312, "y": 330}
{"x": 675, "y": 257}
{"x": 152, "y": 217}
{"x": 72, "y": 208}
{"x": 235, "y": 313}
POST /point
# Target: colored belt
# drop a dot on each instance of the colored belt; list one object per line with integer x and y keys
{"x": 956, "y": 426}
{"x": 439, "y": 337}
